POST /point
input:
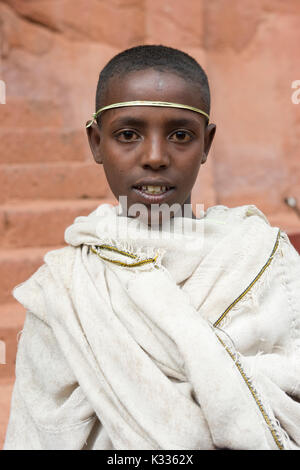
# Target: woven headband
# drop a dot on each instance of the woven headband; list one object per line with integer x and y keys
{"x": 163, "y": 104}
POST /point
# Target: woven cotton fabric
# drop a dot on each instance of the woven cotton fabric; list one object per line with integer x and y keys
{"x": 196, "y": 349}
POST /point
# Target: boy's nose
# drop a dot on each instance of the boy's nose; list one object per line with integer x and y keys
{"x": 155, "y": 154}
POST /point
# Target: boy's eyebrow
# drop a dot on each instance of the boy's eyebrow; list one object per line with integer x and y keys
{"x": 174, "y": 122}
{"x": 128, "y": 121}
{"x": 181, "y": 122}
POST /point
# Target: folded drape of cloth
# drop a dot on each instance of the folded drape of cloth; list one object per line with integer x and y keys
{"x": 181, "y": 338}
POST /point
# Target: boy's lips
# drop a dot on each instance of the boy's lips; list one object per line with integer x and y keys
{"x": 153, "y": 198}
{"x": 153, "y": 182}
{"x": 144, "y": 195}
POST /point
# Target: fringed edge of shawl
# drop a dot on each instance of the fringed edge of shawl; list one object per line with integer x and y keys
{"x": 125, "y": 254}
{"x": 280, "y": 437}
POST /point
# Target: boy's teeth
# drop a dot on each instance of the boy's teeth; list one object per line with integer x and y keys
{"x": 154, "y": 189}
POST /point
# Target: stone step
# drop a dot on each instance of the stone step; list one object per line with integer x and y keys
{"x": 29, "y": 113}
{"x": 43, "y": 145}
{"x": 6, "y": 388}
{"x": 53, "y": 181}
{"x": 17, "y": 265}
{"x": 41, "y": 223}
{"x": 12, "y": 316}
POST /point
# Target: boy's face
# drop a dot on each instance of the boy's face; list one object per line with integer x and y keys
{"x": 151, "y": 146}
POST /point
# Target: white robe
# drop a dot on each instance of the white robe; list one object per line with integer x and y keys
{"x": 197, "y": 349}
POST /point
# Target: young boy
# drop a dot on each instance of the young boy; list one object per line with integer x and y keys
{"x": 177, "y": 334}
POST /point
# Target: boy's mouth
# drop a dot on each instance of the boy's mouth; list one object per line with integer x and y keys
{"x": 150, "y": 189}
{"x": 153, "y": 193}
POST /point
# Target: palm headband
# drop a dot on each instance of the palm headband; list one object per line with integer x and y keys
{"x": 163, "y": 104}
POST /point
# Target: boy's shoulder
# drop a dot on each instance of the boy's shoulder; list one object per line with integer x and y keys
{"x": 58, "y": 262}
{"x": 61, "y": 260}
{"x": 249, "y": 216}
{"x": 57, "y": 265}
{"x": 236, "y": 214}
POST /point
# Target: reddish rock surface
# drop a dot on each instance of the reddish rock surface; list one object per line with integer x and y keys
{"x": 6, "y": 387}
{"x": 252, "y": 66}
{"x": 51, "y": 53}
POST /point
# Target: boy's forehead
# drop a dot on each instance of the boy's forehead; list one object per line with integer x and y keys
{"x": 152, "y": 85}
{"x": 152, "y": 116}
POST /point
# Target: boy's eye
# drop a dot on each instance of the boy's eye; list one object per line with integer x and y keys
{"x": 181, "y": 137}
{"x": 127, "y": 136}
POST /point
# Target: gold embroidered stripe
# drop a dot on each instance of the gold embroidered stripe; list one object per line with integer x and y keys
{"x": 120, "y": 263}
{"x": 113, "y": 248}
{"x": 255, "y": 396}
{"x": 252, "y": 283}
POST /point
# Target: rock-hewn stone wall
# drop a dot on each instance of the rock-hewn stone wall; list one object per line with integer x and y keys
{"x": 252, "y": 52}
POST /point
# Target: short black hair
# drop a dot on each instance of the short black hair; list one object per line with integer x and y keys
{"x": 156, "y": 57}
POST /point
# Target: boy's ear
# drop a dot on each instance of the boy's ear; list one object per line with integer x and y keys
{"x": 208, "y": 138}
{"x": 93, "y": 134}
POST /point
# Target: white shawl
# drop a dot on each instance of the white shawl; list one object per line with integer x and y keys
{"x": 196, "y": 349}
